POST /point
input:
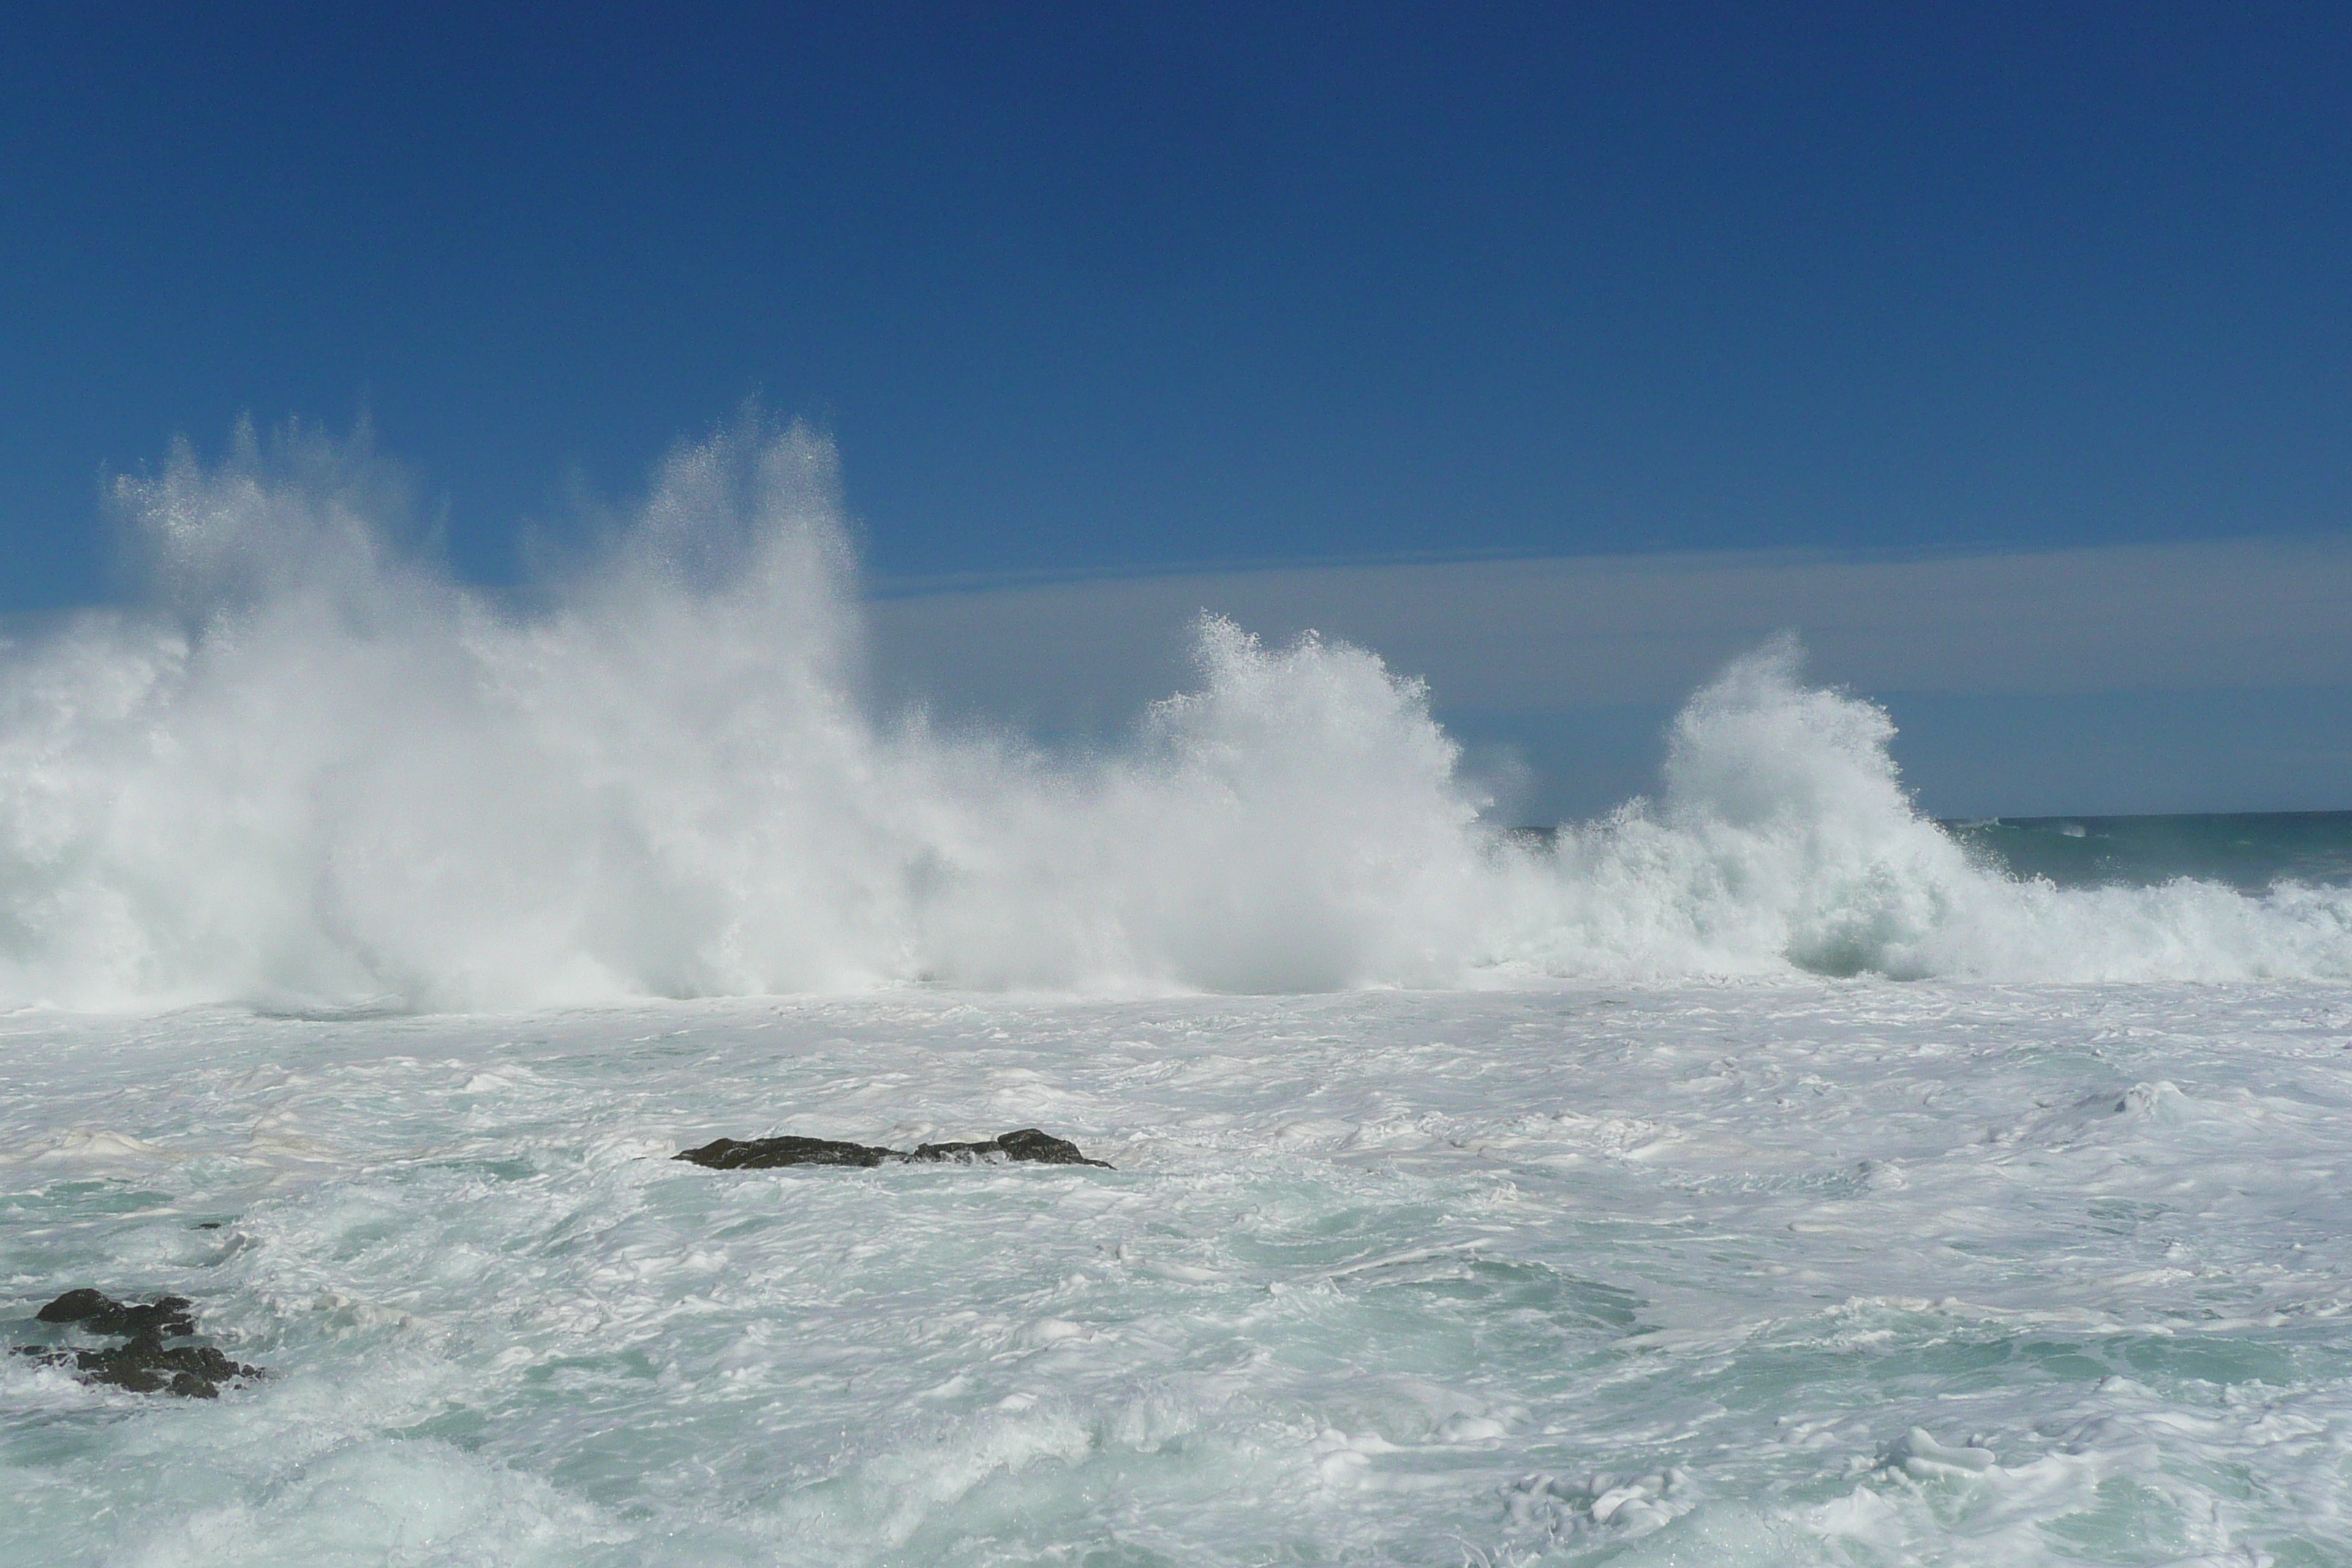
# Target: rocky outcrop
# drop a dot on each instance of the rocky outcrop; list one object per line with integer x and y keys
{"x": 759, "y": 1153}
{"x": 1028, "y": 1144}
{"x": 102, "y": 1314}
{"x": 144, "y": 1364}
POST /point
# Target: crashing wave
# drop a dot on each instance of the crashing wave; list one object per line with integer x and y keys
{"x": 310, "y": 765}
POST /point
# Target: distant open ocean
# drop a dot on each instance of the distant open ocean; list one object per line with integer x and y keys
{"x": 2248, "y": 850}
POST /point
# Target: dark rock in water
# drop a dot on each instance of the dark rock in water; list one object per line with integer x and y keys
{"x": 102, "y": 1314}
{"x": 145, "y": 1364}
{"x": 763, "y": 1153}
{"x": 1029, "y": 1143}
{"x": 80, "y": 1306}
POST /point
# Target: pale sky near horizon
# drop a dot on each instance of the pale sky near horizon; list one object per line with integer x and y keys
{"x": 1105, "y": 293}
{"x": 2109, "y": 679}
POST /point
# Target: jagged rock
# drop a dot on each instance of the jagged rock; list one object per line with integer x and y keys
{"x": 144, "y": 1364}
{"x": 102, "y": 1314}
{"x": 763, "y": 1153}
{"x": 147, "y": 1365}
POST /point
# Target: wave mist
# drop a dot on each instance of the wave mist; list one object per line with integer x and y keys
{"x": 309, "y": 767}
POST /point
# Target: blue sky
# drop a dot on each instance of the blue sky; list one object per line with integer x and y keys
{"x": 1105, "y": 289}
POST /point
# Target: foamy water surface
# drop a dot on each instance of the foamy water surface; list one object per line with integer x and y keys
{"x": 1648, "y": 1274}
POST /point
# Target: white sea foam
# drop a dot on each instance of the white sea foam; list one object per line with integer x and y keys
{"x": 310, "y": 766}
{"x": 1834, "y": 1272}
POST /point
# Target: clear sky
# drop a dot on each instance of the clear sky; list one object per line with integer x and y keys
{"x": 1108, "y": 288}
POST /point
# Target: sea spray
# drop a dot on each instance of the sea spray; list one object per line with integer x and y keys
{"x": 1784, "y": 840}
{"x": 310, "y": 767}
{"x": 307, "y": 765}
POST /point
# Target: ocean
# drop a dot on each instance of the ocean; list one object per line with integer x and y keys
{"x": 2252, "y": 851}
{"x": 1764, "y": 1173}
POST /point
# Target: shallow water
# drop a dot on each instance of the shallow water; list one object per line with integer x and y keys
{"x": 1625, "y": 1274}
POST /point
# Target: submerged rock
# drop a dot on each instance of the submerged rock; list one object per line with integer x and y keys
{"x": 144, "y": 1364}
{"x": 1028, "y": 1144}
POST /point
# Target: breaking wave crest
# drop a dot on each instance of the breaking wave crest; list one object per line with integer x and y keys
{"x": 310, "y": 766}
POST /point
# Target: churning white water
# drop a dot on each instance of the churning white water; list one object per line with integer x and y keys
{"x": 310, "y": 766}
{"x": 1639, "y": 1275}
{"x": 1751, "y": 1177}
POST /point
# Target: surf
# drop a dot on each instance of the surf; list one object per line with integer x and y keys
{"x": 304, "y": 765}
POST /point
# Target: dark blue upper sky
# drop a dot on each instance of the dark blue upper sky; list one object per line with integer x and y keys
{"x": 1108, "y": 286}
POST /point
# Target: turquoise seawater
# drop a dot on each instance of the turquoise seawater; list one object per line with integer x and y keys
{"x": 2250, "y": 850}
